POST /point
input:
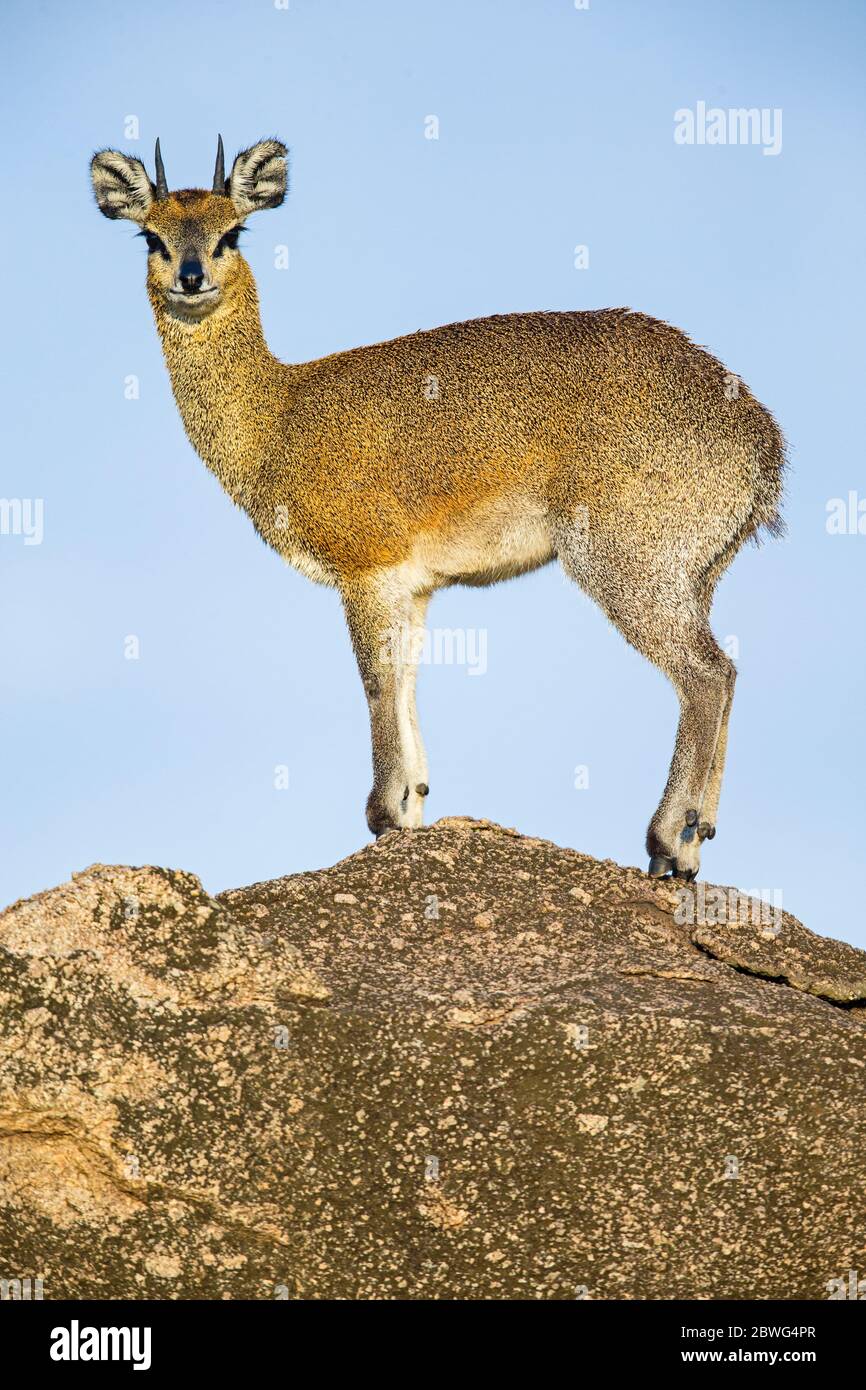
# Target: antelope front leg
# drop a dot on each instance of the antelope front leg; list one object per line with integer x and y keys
{"x": 382, "y": 618}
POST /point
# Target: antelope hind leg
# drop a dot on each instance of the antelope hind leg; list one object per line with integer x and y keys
{"x": 704, "y": 679}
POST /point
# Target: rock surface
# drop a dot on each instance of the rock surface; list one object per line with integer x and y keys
{"x": 459, "y": 1064}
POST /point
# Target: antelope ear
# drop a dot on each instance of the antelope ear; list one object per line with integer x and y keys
{"x": 259, "y": 177}
{"x": 121, "y": 185}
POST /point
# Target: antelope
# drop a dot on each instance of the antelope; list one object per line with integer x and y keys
{"x": 467, "y": 454}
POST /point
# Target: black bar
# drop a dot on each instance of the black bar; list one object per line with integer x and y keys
{"x": 234, "y": 1337}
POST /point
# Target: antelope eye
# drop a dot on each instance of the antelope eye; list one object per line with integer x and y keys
{"x": 228, "y": 241}
{"x": 154, "y": 244}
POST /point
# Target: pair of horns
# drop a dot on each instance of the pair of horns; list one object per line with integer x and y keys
{"x": 219, "y": 173}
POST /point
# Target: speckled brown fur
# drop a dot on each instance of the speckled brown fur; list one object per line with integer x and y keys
{"x": 468, "y": 454}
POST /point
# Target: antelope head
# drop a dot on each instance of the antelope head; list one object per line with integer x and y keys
{"x": 193, "y": 262}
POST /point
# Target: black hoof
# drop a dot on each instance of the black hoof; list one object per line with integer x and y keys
{"x": 686, "y": 874}
{"x": 406, "y": 794}
{"x": 691, "y": 817}
{"x": 706, "y": 831}
{"x": 422, "y": 789}
{"x": 660, "y": 865}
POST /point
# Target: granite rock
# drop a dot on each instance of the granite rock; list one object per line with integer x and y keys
{"x": 462, "y": 1063}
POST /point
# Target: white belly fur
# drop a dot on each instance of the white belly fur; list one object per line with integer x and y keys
{"x": 500, "y": 540}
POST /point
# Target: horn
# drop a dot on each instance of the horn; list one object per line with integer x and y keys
{"x": 161, "y": 185}
{"x": 219, "y": 173}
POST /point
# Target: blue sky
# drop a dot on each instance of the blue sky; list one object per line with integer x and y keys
{"x": 556, "y": 129}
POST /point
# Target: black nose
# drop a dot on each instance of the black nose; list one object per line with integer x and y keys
{"x": 191, "y": 276}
